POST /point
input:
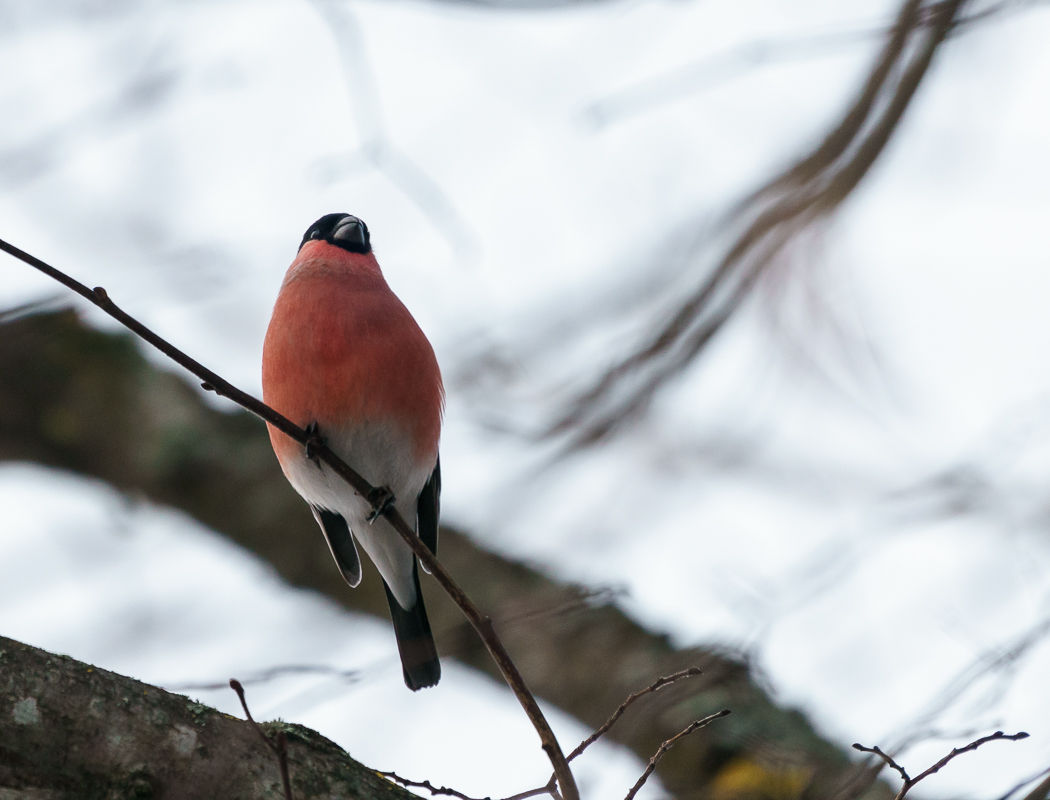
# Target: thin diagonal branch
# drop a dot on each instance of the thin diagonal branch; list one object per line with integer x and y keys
{"x": 551, "y": 786}
{"x": 885, "y": 757}
{"x": 548, "y": 789}
{"x": 909, "y": 782}
{"x": 434, "y": 790}
{"x": 958, "y": 751}
{"x": 662, "y": 751}
{"x": 215, "y": 383}
{"x": 653, "y": 687}
{"x": 280, "y": 749}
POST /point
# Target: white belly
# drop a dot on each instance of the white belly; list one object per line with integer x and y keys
{"x": 384, "y": 456}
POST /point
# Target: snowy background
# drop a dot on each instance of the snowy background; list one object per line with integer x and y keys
{"x": 852, "y": 484}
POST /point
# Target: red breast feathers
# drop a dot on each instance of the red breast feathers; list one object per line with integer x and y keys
{"x": 341, "y": 349}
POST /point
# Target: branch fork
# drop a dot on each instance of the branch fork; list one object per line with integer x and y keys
{"x": 909, "y": 781}
{"x": 551, "y": 787}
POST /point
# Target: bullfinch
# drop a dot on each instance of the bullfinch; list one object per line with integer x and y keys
{"x": 344, "y": 359}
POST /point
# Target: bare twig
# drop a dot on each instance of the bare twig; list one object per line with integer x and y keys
{"x": 909, "y": 782}
{"x": 997, "y": 663}
{"x": 551, "y": 785}
{"x": 887, "y": 758}
{"x": 653, "y": 687}
{"x": 1013, "y": 737}
{"x": 282, "y": 759}
{"x": 434, "y": 790}
{"x": 662, "y": 751}
{"x": 656, "y": 685}
{"x": 214, "y": 383}
{"x": 550, "y": 789}
{"x": 280, "y": 749}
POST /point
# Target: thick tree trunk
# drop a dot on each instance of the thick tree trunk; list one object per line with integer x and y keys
{"x": 86, "y": 401}
{"x": 69, "y": 730}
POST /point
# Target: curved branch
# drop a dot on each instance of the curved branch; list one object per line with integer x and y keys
{"x": 909, "y": 782}
{"x": 215, "y": 383}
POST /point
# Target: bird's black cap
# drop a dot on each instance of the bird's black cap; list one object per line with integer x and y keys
{"x": 342, "y": 230}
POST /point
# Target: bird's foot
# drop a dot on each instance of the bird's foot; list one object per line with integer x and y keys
{"x": 314, "y": 442}
{"x": 382, "y": 500}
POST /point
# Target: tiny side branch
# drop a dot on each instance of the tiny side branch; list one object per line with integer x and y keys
{"x": 215, "y": 383}
{"x": 280, "y": 749}
{"x": 909, "y": 781}
{"x": 551, "y": 786}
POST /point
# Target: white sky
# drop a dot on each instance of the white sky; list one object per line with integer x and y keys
{"x": 858, "y": 603}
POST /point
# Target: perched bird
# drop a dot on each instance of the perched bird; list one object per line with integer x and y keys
{"x": 344, "y": 359}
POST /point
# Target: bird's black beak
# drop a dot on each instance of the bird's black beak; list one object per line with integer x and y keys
{"x": 351, "y": 234}
{"x": 342, "y": 230}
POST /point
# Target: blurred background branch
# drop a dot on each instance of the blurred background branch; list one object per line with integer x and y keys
{"x": 769, "y": 220}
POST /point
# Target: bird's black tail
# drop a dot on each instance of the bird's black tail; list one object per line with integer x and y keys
{"x": 419, "y": 657}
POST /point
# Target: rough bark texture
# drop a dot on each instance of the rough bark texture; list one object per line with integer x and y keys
{"x": 69, "y": 730}
{"x": 82, "y": 400}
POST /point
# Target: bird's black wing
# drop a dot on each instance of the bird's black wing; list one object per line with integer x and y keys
{"x": 428, "y": 509}
{"x": 341, "y": 543}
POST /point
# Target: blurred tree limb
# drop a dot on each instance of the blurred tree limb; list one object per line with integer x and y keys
{"x": 71, "y": 731}
{"x": 86, "y": 401}
{"x": 766, "y": 223}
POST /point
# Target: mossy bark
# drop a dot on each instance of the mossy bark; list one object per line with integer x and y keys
{"x": 69, "y": 730}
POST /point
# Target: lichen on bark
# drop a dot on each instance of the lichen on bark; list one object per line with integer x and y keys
{"x": 69, "y": 730}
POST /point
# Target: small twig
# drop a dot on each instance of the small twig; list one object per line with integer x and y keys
{"x": 887, "y": 758}
{"x": 434, "y": 790}
{"x": 909, "y": 782}
{"x": 214, "y": 383}
{"x": 550, "y": 788}
{"x": 282, "y": 759}
{"x": 660, "y": 753}
{"x": 656, "y": 685}
{"x": 280, "y": 749}
{"x": 653, "y": 687}
{"x": 1013, "y": 737}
